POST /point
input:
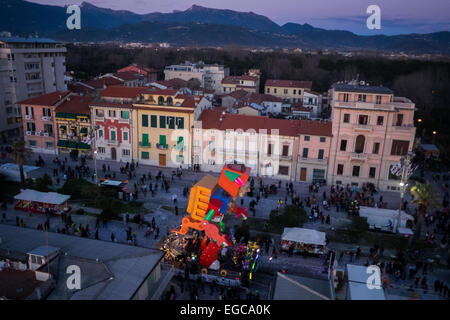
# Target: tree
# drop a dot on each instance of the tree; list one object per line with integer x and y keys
{"x": 193, "y": 84}
{"x": 20, "y": 153}
{"x": 426, "y": 198}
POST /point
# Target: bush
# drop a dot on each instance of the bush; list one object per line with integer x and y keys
{"x": 80, "y": 189}
{"x": 291, "y": 217}
{"x": 42, "y": 184}
{"x": 358, "y": 228}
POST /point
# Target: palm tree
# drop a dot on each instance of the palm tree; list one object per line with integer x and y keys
{"x": 426, "y": 198}
{"x": 20, "y": 153}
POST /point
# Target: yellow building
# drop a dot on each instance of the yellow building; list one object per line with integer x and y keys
{"x": 163, "y": 122}
{"x": 287, "y": 89}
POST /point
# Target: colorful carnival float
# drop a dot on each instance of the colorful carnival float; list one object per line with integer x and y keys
{"x": 201, "y": 246}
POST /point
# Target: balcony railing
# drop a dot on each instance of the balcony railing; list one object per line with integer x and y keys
{"x": 285, "y": 158}
{"x": 358, "y": 156}
{"x": 112, "y": 142}
{"x": 403, "y": 126}
{"x": 28, "y": 117}
{"x": 161, "y": 146}
{"x": 124, "y": 120}
{"x": 313, "y": 160}
{"x": 363, "y": 127}
{"x": 145, "y": 144}
{"x": 46, "y": 118}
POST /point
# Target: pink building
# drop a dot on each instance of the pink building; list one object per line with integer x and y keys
{"x": 39, "y": 123}
{"x": 372, "y": 130}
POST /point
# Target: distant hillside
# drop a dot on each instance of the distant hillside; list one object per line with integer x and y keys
{"x": 199, "y": 26}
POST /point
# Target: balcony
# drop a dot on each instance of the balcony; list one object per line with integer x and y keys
{"x": 46, "y": 118}
{"x": 358, "y": 156}
{"x": 403, "y": 127}
{"x": 124, "y": 120}
{"x": 363, "y": 127}
{"x": 162, "y": 146}
{"x": 285, "y": 158}
{"x": 145, "y": 144}
{"x": 313, "y": 161}
{"x": 112, "y": 143}
{"x": 97, "y": 118}
{"x": 28, "y": 117}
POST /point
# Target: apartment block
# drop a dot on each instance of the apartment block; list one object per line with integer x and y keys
{"x": 29, "y": 67}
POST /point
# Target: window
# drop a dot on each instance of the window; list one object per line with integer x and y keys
{"x": 162, "y": 140}
{"x": 346, "y": 117}
{"x": 180, "y": 122}
{"x": 380, "y": 120}
{"x": 145, "y": 120}
{"x": 145, "y": 139}
{"x": 145, "y": 155}
{"x": 99, "y": 113}
{"x": 343, "y": 145}
{"x": 294, "y": 91}
{"x": 113, "y": 136}
{"x": 160, "y": 100}
{"x": 154, "y": 121}
{"x": 101, "y": 150}
{"x": 321, "y": 153}
{"x": 323, "y": 139}
{"x": 269, "y": 149}
{"x": 376, "y": 147}
{"x": 275, "y": 90}
{"x": 363, "y": 119}
{"x": 355, "y": 172}
{"x": 305, "y": 153}
{"x": 362, "y": 97}
{"x": 340, "y": 169}
{"x": 399, "y": 120}
{"x": 32, "y": 143}
{"x": 125, "y": 135}
{"x": 307, "y": 138}
{"x": 169, "y": 101}
{"x": 268, "y": 90}
{"x": 111, "y": 113}
{"x": 171, "y": 122}
{"x": 392, "y": 176}
{"x": 378, "y": 100}
{"x": 399, "y": 148}
{"x": 100, "y": 133}
{"x": 283, "y": 170}
{"x": 285, "y": 91}
{"x": 124, "y": 114}
{"x": 162, "y": 122}
{"x": 345, "y": 97}
{"x": 359, "y": 145}
{"x": 46, "y": 112}
{"x": 126, "y": 152}
{"x": 31, "y": 126}
{"x": 285, "y": 151}
{"x": 372, "y": 171}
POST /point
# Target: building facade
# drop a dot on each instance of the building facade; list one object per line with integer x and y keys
{"x": 244, "y": 82}
{"x": 112, "y": 120}
{"x": 73, "y": 125}
{"x": 287, "y": 89}
{"x": 372, "y": 130}
{"x": 163, "y": 122}
{"x": 39, "y": 124}
{"x": 29, "y": 67}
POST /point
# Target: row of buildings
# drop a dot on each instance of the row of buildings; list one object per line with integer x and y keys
{"x": 369, "y": 131}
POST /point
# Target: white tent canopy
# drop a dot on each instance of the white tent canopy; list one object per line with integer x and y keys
{"x": 301, "y": 235}
{"x": 44, "y": 197}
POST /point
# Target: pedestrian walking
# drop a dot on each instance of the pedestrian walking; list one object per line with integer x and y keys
{"x": 113, "y": 237}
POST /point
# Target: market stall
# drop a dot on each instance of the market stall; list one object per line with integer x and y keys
{"x": 38, "y": 202}
{"x": 303, "y": 241}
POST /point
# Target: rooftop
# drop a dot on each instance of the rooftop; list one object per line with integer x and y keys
{"x": 289, "y": 83}
{"x": 292, "y": 287}
{"x": 76, "y": 105}
{"x": 26, "y": 40}
{"x": 361, "y": 88}
{"x": 123, "y": 92}
{"x": 128, "y": 265}
{"x": 236, "y": 79}
{"x": 48, "y": 99}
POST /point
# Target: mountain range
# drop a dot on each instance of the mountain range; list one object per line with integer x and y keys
{"x": 199, "y": 26}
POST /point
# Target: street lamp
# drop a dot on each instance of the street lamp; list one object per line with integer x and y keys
{"x": 434, "y": 136}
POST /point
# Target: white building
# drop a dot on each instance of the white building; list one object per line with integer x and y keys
{"x": 28, "y": 67}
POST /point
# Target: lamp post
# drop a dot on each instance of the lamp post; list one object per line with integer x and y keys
{"x": 94, "y": 135}
{"x": 405, "y": 161}
{"x": 434, "y": 136}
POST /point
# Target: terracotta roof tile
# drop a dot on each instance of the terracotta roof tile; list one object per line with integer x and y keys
{"x": 123, "y": 92}
{"x": 75, "y": 104}
{"x": 289, "y": 83}
{"x": 48, "y": 99}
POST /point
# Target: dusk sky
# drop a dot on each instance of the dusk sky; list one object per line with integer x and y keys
{"x": 397, "y": 16}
